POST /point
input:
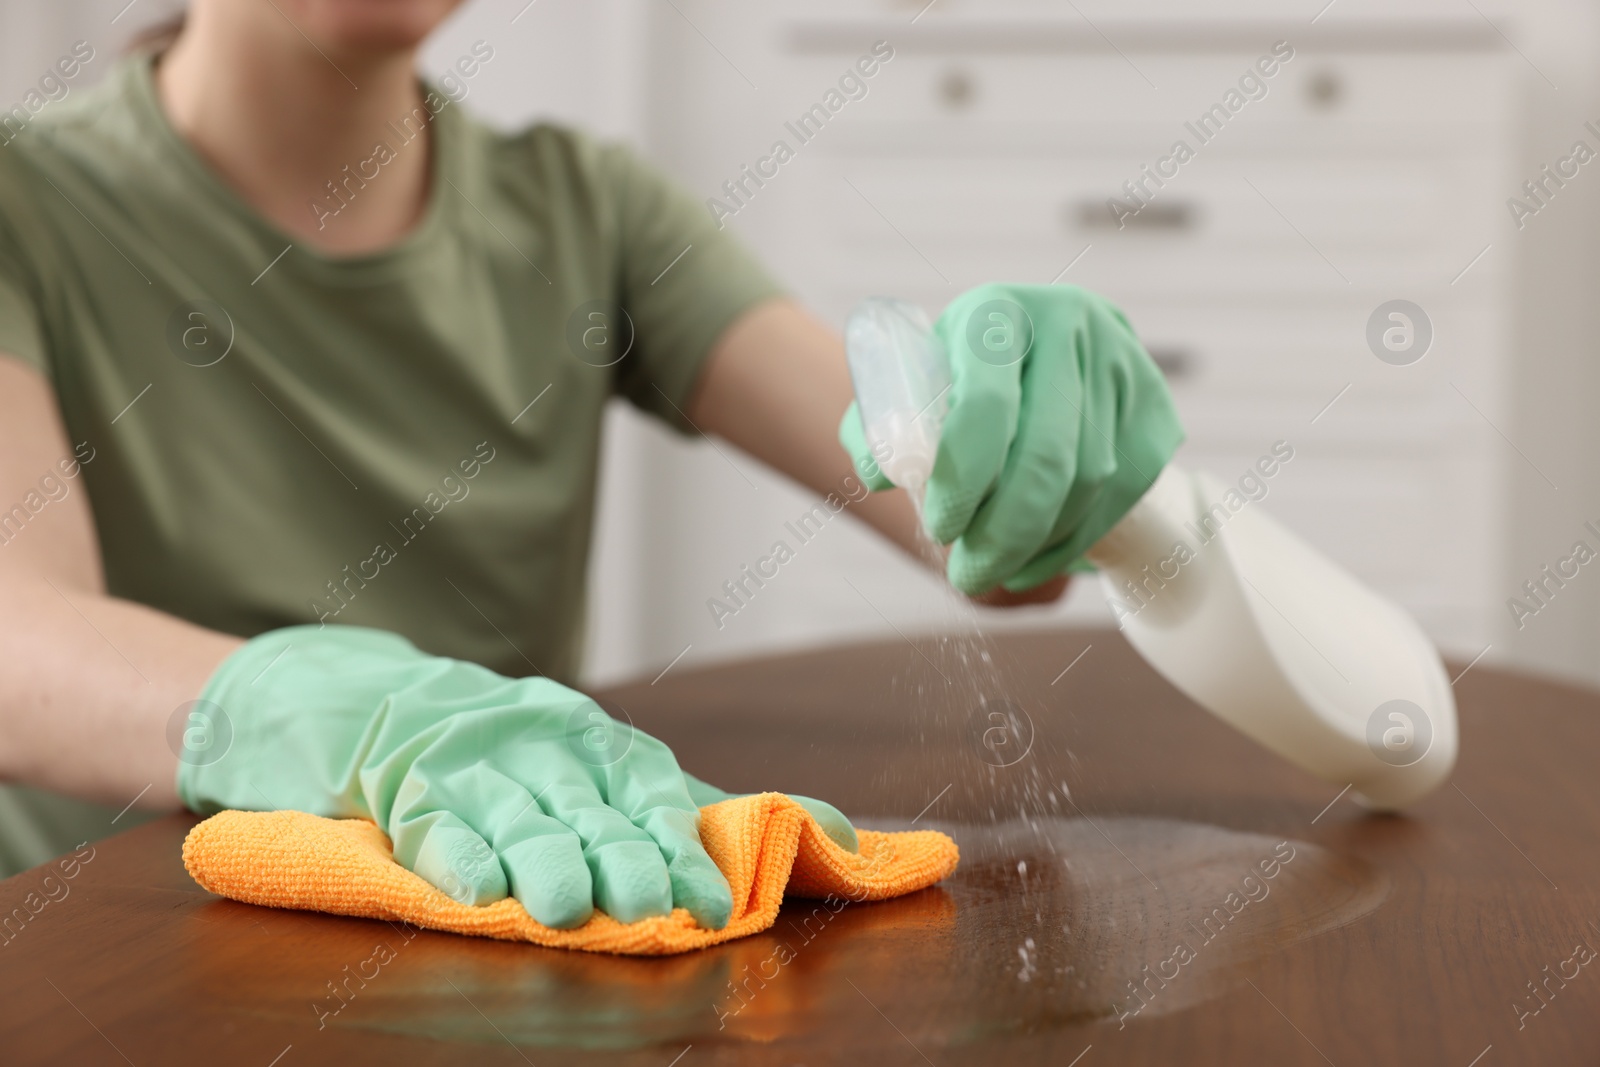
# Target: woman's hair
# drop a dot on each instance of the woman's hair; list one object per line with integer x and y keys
{"x": 158, "y": 36}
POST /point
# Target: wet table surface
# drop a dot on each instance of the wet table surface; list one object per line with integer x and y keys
{"x": 1139, "y": 884}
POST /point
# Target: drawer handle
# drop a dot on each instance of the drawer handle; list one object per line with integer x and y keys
{"x": 956, "y": 89}
{"x": 1175, "y": 361}
{"x": 1172, "y": 216}
{"x": 1325, "y": 90}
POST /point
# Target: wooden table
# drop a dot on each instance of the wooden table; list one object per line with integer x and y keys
{"x": 1375, "y": 940}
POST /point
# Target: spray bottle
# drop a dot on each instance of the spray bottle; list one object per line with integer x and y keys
{"x": 1255, "y": 625}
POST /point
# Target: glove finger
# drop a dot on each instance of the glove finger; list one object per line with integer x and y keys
{"x": 698, "y": 884}
{"x": 1092, "y": 509}
{"x": 853, "y": 437}
{"x": 631, "y": 880}
{"x": 973, "y": 444}
{"x": 832, "y": 821}
{"x": 1112, "y": 475}
{"x": 549, "y": 875}
{"x": 656, "y": 796}
{"x": 1130, "y": 419}
{"x": 1097, "y": 464}
{"x": 987, "y": 338}
{"x": 1081, "y": 527}
{"x": 443, "y": 850}
{"x": 1039, "y": 475}
{"x": 1043, "y": 567}
{"x": 542, "y": 858}
{"x": 428, "y": 823}
{"x": 1102, "y": 467}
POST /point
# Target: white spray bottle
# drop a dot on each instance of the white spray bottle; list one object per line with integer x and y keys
{"x": 1254, "y": 625}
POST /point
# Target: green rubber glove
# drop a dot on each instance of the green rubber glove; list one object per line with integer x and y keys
{"x": 1058, "y": 423}
{"x": 487, "y": 785}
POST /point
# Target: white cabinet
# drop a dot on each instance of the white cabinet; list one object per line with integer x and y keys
{"x": 1373, "y": 168}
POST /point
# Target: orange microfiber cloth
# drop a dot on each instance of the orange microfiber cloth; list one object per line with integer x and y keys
{"x": 767, "y": 845}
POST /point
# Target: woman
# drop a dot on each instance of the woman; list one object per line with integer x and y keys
{"x": 300, "y": 412}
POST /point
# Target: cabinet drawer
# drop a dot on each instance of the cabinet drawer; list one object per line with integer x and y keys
{"x": 1365, "y": 215}
{"x": 1105, "y": 90}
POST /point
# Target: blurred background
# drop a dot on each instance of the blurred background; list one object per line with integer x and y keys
{"x": 1382, "y": 163}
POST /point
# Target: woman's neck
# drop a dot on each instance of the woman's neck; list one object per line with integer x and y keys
{"x": 280, "y": 120}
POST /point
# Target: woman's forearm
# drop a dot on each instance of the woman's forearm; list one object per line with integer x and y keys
{"x": 88, "y": 683}
{"x": 776, "y": 384}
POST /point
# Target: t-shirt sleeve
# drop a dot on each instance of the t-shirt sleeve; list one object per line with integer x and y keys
{"x": 681, "y": 280}
{"x": 20, "y": 332}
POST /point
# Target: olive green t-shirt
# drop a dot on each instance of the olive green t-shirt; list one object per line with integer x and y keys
{"x": 407, "y": 439}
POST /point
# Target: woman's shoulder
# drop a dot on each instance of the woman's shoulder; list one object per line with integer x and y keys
{"x": 55, "y": 152}
{"x": 20, "y": 184}
{"x": 558, "y": 156}
{"x": 80, "y": 130}
{"x": 554, "y": 145}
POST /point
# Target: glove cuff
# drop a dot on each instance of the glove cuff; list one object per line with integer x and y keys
{"x": 297, "y": 698}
